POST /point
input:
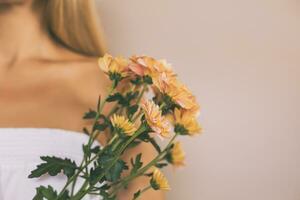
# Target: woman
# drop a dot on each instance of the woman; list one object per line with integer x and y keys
{"x": 48, "y": 78}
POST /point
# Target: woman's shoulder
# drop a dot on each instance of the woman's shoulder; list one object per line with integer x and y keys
{"x": 80, "y": 76}
{"x": 91, "y": 81}
{"x": 82, "y": 82}
{"x": 87, "y": 80}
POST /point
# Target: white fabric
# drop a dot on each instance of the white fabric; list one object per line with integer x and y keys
{"x": 20, "y": 151}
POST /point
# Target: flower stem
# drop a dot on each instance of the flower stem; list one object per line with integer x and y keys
{"x": 141, "y": 171}
{"x": 82, "y": 192}
{"x": 146, "y": 188}
{"x": 92, "y": 138}
{"x": 142, "y": 191}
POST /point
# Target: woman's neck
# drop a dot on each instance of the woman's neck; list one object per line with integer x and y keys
{"x": 21, "y": 34}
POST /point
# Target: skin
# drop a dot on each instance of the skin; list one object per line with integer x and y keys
{"x": 43, "y": 84}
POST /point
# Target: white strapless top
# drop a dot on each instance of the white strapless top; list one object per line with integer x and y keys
{"x": 26, "y": 145}
{"x": 20, "y": 151}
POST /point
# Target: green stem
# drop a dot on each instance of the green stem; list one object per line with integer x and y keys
{"x": 74, "y": 182}
{"x": 146, "y": 188}
{"x": 113, "y": 110}
{"x": 138, "y": 102}
{"x": 141, "y": 171}
{"x": 141, "y": 192}
{"x": 137, "y": 116}
{"x": 141, "y": 94}
{"x": 82, "y": 192}
{"x": 90, "y": 142}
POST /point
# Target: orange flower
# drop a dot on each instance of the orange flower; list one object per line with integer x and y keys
{"x": 140, "y": 64}
{"x": 159, "y": 70}
{"x": 163, "y": 76}
{"x": 154, "y": 118}
{"x": 165, "y": 81}
{"x": 182, "y": 96}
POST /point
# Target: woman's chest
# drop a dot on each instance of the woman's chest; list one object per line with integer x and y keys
{"x": 39, "y": 104}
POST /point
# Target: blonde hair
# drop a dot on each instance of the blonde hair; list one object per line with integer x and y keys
{"x": 74, "y": 24}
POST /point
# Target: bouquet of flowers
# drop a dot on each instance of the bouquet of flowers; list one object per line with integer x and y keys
{"x": 149, "y": 102}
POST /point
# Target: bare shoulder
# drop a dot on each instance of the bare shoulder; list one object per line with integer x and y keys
{"x": 80, "y": 76}
{"x": 88, "y": 81}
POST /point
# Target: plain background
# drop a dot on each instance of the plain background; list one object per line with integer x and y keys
{"x": 242, "y": 60}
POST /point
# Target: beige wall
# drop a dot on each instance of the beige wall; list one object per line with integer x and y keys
{"x": 242, "y": 59}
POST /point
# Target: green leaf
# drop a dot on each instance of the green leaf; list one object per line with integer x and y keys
{"x": 161, "y": 165}
{"x": 95, "y": 174}
{"x": 137, "y": 164}
{"x": 105, "y": 187}
{"x": 115, "y": 171}
{"x": 130, "y": 96}
{"x": 169, "y": 104}
{"x": 115, "y": 77}
{"x": 154, "y": 185}
{"x": 47, "y": 193}
{"x": 95, "y": 149}
{"x": 53, "y": 166}
{"x": 86, "y": 150}
{"x": 38, "y": 196}
{"x": 133, "y": 144}
{"x": 123, "y": 100}
{"x": 136, "y": 195}
{"x": 147, "y": 79}
{"x": 105, "y": 158}
{"x": 180, "y": 129}
{"x": 154, "y": 144}
{"x": 100, "y": 127}
{"x": 115, "y": 97}
{"x": 132, "y": 110}
{"x": 148, "y": 174}
{"x": 85, "y": 131}
{"x": 137, "y": 80}
{"x": 91, "y": 114}
{"x": 145, "y": 135}
{"x": 65, "y": 196}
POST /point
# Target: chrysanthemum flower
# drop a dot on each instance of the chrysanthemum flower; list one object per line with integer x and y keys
{"x": 159, "y": 181}
{"x": 159, "y": 70}
{"x": 114, "y": 66}
{"x": 176, "y": 156}
{"x": 185, "y": 122}
{"x": 158, "y": 123}
{"x": 182, "y": 96}
{"x": 165, "y": 81}
{"x": 141, "y": 64}
{"x": 123, "y": 124}
{"x": 104, "y": 62}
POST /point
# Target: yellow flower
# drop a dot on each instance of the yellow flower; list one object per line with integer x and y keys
{"x": 123, "y": 124}
{"x": 104, "y": 62}
{"x": 154, "y": 118}
{"x": 159, "y": 181}
{"x": 176, "y": 155}
{"x": 111, "y": 65}
{"x": 185, "y": 122}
